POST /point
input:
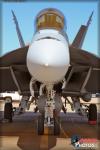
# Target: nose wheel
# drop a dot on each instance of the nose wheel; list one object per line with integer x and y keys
{"x": 41, "y": 124}
{"x": 56, "y": 125}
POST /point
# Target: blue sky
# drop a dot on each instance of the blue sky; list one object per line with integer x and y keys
{"x": 76, "y": 13}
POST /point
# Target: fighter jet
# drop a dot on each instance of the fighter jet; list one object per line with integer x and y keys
{"x": 50, "y": 68}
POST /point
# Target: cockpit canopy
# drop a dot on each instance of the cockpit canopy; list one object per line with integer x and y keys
{"x": 50, "y": 18}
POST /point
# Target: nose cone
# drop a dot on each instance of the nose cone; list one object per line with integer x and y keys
{"x": 48, "y": 60}
{"x": 48, "y": 52}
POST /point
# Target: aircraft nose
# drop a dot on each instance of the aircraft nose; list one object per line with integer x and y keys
{"x": 48, "y": 52}
{"x": 48, "y": 60}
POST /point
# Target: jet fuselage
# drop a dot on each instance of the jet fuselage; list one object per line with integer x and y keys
{"x": 48, "y": 55}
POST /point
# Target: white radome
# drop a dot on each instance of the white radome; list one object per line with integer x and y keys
{"x": 48, "y": 58}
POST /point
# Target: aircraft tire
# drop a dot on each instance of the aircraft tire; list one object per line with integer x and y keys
{"x": 8, "y": 109}
{"x": 56, "y": 125}
{"x": 41, "y": 124}
{"x": 92, "y": 116}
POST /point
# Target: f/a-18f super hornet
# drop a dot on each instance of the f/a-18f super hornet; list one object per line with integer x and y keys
{"x": 51, "y": 68}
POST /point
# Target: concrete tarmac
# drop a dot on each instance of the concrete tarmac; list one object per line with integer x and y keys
{"x": 21, "y": 134}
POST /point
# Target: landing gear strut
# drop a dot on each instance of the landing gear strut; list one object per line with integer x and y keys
{"x": 51, "y": 112}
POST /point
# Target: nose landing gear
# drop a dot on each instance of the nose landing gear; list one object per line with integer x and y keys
{"x": 50, "y": 116}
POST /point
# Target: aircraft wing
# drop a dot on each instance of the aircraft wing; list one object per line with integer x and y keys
{"x": 14, "y": 75}
{"x": 16, "y": 57}
{"x": 82, "y": 57}
{"x": 83, "y": 75}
